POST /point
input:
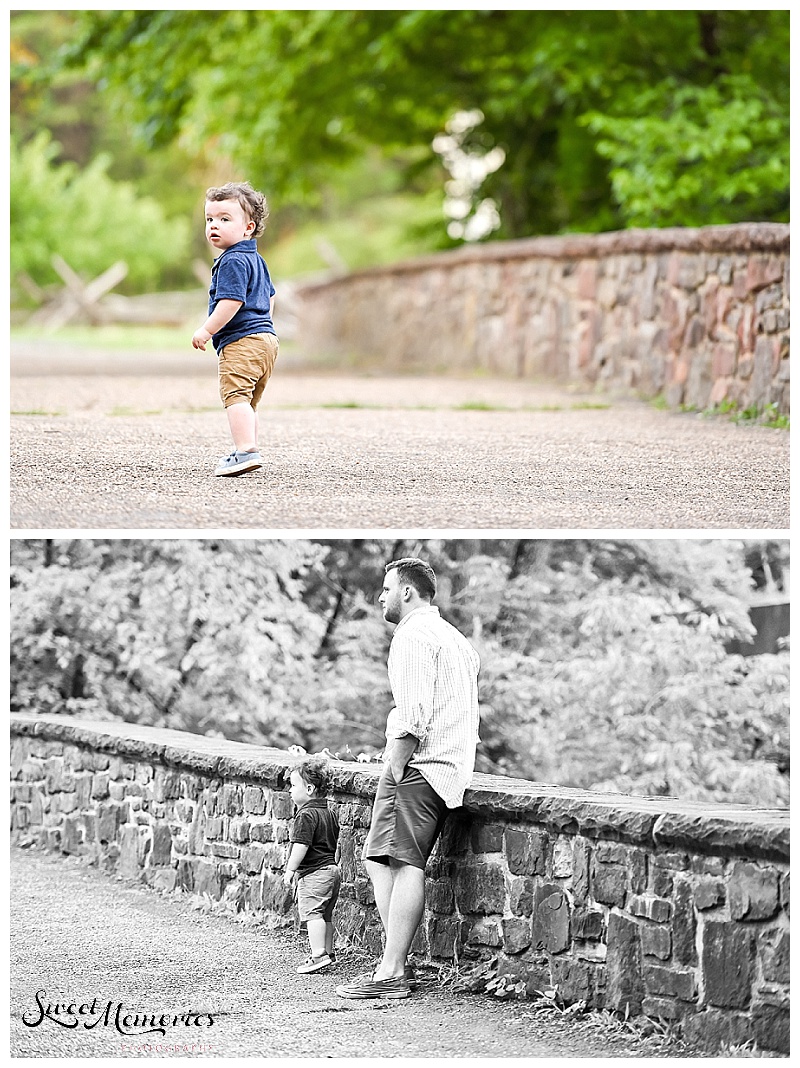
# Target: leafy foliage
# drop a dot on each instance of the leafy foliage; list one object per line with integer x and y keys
{"x": 604, "y": 662}
{"x": 86, "y": 217}
{"x": 606, "y": 118}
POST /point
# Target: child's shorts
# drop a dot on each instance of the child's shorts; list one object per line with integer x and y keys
{"x": 317, "y": 892}
{"x": 244, "y": 368}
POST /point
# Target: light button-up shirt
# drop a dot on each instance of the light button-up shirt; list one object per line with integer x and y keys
{"x": 433, "y": 672}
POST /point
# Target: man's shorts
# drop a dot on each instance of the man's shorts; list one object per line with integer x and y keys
{"x": 244, "y": 368}
{"x": 317, "y": 892}
{"x": 407, "y": 818}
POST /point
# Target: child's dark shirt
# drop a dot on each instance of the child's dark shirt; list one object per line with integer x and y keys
{"x": 316, "y": 826}
{"x": 241, "y": 274}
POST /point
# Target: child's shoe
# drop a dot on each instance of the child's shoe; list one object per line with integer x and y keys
{"x": 315, "y": 964}
{"x": 238, "y": 462}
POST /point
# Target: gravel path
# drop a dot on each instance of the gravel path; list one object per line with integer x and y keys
{"x": 93, "y": 449}
{"x": 78, "y": 934}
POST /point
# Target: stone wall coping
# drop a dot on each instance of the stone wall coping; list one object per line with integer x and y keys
{"x": 664, "y": 822}
{"x": 734, "y": 238}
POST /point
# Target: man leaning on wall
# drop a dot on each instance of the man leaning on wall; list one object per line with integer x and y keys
{"x": 432, "y": 735}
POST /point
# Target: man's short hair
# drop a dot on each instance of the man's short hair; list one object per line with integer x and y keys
{"x": 252, "y": 203}
{"x": 417, "y": 574}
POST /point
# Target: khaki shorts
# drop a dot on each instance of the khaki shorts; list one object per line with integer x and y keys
{"x": 317, "y": 892}
{"x": 244, "y": 368}
{"x": 407, "y": 818}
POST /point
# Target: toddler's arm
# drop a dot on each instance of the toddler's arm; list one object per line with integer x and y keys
{"x": 222, "y": 314}
{"x": 298, "y": 851}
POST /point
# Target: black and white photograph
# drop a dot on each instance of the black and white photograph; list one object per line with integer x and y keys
{"x": 399, "y": 534}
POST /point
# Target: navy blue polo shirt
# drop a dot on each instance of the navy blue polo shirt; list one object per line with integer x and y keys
{"x": 241, "y": 274}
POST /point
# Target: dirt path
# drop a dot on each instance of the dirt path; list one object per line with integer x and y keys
{"x": 77, "y": 934}
{"x": 96, "y": 445}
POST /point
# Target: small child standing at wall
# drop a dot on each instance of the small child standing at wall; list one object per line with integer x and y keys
{"x": 311, "y": 862}
{"x": 239, "y": 316}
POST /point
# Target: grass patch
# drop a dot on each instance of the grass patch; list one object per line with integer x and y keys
{"x": 123, "y": 336}
{"x": 35, "y": 411}
{"x": 766, "y": 416}
{"x": 136, "y": 411}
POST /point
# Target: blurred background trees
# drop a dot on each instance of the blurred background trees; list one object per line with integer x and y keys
{"x": 605, "y": 663}
{"x": 583, "y": 121}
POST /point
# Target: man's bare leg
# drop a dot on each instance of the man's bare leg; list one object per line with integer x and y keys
{"x": 406, "y": 907}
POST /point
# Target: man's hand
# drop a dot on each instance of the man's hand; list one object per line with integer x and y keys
{"x": 200, "y": 338}
{"x": 288, "y": 878}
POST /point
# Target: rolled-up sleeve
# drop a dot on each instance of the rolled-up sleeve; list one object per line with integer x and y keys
{"x": 412, "y": 675}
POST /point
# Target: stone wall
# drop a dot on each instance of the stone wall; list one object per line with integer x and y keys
{"x": 641, "y": 905}
{"x": 698, "y": 316}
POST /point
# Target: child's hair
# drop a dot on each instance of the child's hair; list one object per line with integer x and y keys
{"x": 253, "y": 203}
{"x": 316, "y": 773}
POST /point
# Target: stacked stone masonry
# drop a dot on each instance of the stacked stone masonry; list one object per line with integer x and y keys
{"x": 678, "y": 911}
{"x": 700, "y": 317}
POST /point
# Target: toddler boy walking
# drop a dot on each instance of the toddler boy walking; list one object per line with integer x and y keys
{"x": 311, "y": 862}
{"x": 239, "y": 319}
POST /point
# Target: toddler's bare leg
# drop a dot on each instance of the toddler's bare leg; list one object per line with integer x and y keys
{"x": 241, "y": 420}
{"x": 316, "y": 935}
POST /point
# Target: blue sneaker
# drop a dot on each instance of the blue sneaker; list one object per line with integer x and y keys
{"x": 238, "y": 462}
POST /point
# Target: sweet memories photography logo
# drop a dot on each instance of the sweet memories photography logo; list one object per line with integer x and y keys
{"x": 99, "y": 1013}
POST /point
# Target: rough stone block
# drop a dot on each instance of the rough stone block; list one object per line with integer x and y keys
{"x": 161, "y": 854}
{"x": 752, "y": 892}
{"x": 551, "y": 916}
{"x": 637, "y": 871}
{"x": 664, "y": 982}
{"x": 562, "y": 858}
{"x": 516, "y": 935}
{"x": 649, "y": 907}
{"x": 609, "y": 883}
{"x": 708, "y": 865}
{"x": 100, "y": 782}
{"x": 239, "y": 830}
{"x": 521, "y": 895}
{"x": 165, "y": 879}
{"x": 708, "y": 893}
{"x": 624, "y": 983}
{"x": 108, "y": 819}
{"x": 230, "y": 800}
{"x": 443, "y": 936}
{"x": 576, "y": 980}
{"x": 712, "y": 1029}
{"x": 481, "y": 889}
{"x": 486, "y": 837}
{"x": 581, "y": 859}
{"x": 728, "y": 956}
{"x": 684, "y": 925}
{"x": 224, "y": 849}
{"x": 588, "y": 924}
{"x": 439, "y": 896}
{"x": 526, "y": 851}
{"x": 261, "y": 832}
{"x": 656, "y": 942}
{"x": 663, "y": 882}
{"x": 771, "y": 1028}
{"x": 666, "y": 1008}
{"x": 254, "y": 801}
{"x": 129, "y": 851}
{"x": 282, "y": 806}
{"x": 207, "y": 879}
{"x": 483, "y": 932}
{"x": 32, "y": 771}
{"x": 774, "y": 953}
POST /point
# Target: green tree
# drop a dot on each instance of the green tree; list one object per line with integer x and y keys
{"x": 607, "y": 118}
{"x": 87, "y": 218}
